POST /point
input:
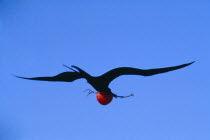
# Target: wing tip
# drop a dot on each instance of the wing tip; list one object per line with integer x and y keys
{"x": 19, "y": 76}
{"x": 190, "y": 63}
{"x": 15, "y": 75}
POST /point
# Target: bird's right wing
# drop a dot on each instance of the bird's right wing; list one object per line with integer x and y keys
{"x": 112, "y": 74}
{"x": 65, "y": 77}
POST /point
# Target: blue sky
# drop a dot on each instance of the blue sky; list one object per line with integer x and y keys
{"x": 37, "y": 37}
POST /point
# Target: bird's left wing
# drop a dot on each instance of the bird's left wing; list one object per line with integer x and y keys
{"x": 65, "y": 77}
{"x": 112, "y": 74}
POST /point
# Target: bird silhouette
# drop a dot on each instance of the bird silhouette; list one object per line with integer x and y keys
{"x": 101, "y": 83}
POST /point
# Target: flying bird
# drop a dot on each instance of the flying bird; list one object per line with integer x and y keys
{"x": 101, "y": 83}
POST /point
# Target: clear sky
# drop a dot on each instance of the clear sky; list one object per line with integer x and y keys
{"x": 38, "y": 36}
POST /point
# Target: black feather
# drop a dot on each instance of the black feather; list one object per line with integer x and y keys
{"x": 112, "y": 74}
{"x": 65, "y": 76}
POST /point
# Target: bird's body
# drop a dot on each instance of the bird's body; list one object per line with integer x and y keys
{"x": 98, "y": 84}
{"x": 101, "y": 83}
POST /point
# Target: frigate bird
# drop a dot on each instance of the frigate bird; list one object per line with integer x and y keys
{"x": 101, "y": 83}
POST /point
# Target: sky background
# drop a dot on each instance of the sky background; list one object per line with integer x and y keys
{"x": 38, "y": 36}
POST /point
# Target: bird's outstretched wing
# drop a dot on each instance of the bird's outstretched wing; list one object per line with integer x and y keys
{"x": 112, "y": 74}
{"x": 65, "y": 77}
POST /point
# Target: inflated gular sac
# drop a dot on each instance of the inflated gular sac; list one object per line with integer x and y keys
{"x": 104, "y": 98}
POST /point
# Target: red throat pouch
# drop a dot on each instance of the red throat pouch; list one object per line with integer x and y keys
{"x": 104, "y": 98}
